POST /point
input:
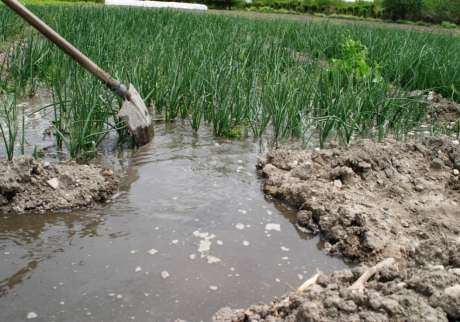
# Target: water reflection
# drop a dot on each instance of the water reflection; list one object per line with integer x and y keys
{"x": 30, "y": 239}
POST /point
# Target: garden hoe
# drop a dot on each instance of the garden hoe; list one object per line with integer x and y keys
{"x": 133, "y": 110}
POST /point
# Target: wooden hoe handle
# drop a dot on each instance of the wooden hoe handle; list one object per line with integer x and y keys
{"x": 67, "y": 47}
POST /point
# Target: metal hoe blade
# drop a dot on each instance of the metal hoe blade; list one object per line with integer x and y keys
{"x": 137, "y": 116}
{"x": 133, "y": 109}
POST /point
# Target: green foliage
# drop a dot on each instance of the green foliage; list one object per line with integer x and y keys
{"x": 232, "y": 74}
{"x": 441, "y": 10}
{"x": 9, "y": 125}
{"x": 402, "y": 9}
{"x": 37, "y": 153}
{"x": 378, "y": 8}
{"x": 353, "y": 60}
{"x": 434, "y": 11}
{"x": 266, "y": 9}
{"x": 354, "y": 99}
{"x": 448, "y": 25}
{"x": 358, "y": 8}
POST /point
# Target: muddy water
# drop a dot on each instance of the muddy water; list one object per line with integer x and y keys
{"x": 190, "y": 232}
{"x": 37, "y": 121}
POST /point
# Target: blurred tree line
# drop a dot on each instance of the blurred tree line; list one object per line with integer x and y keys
{"x": 434, "y": 11}
{"x": 428, "y": 10}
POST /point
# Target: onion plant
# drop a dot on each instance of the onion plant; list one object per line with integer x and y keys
{"x": 9, "y": 125}
{"x": 287, "y": 78}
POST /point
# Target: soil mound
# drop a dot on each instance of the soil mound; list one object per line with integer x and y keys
{"x": 33, "y": 186}
{"x": 429, "y": 294}
{"x": 371, "y": 202}
{"x": 375, "y": 200}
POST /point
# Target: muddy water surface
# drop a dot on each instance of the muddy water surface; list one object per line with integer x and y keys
{"x": 190, "y": 232}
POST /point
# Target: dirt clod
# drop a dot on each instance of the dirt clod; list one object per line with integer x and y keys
{"x": 370, "y": 202}
{"x": 33, "y": 186}
{"x": 374, "y": 200}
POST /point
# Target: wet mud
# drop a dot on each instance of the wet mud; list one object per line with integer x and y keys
{"x": 34, "y": 186}
{"x": 371, "y": 202}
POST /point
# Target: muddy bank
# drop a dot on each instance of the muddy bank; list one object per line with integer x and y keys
{"x": 441, "y": 110}
{"x": 375, "y": 200}
{"x": 429, "y": 294}
{"x": 370, "y": 202}
{"x": 34, "y": 186}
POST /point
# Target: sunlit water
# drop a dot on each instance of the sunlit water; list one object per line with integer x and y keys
{"x": 187, "y": 235}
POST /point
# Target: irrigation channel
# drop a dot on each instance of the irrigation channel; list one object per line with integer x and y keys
{"x": 190, "y": 232}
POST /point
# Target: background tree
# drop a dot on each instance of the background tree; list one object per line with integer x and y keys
{"x": 402, "y": 9}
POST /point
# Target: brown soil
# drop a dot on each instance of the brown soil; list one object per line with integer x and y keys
{"x": 369, "y": 202}
{"x": 443, "y": 110}
{"x": 32, "y": 186}
{"x": 431, "y": 294}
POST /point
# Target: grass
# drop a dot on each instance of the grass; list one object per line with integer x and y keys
{"x": 229, "y": 73}
{"x": 9, "y": 125}
{"x": 448, "y": 25}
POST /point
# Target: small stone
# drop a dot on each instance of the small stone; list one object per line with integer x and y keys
{"x": 107, "y": 173}
{"x": 347, "y": 306}
{"x": 437, "y": 164}
{"x": 390, "y": 305}
{"x": 164, "y": 274}
{"x": 455, "y": 172}
{"x": 365, "y": 166}
{"x": 304, "y": 217}
{"x": 138, "y": 269}
{"x": 303, "y": 171}
{"x": 53, "y": 183}
{"x": 455, "y": 271}
{"x": 245, "y": 243}
{"x": 213, "y": 288}
{"x": 338, "y": 183}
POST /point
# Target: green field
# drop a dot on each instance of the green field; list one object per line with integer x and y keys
{"x": 235, "y": 75}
